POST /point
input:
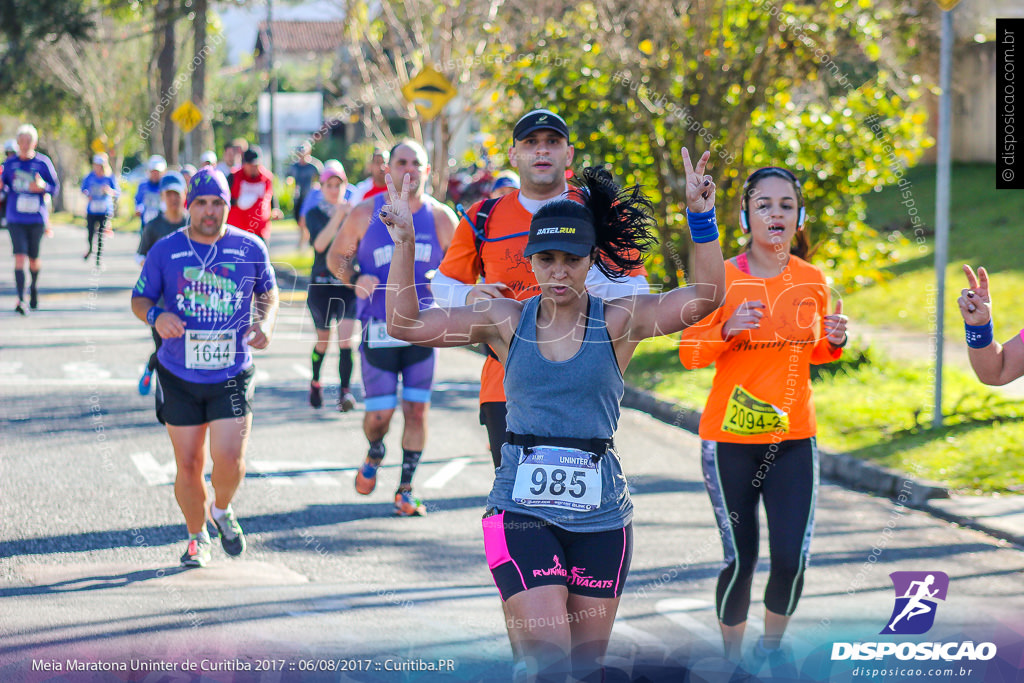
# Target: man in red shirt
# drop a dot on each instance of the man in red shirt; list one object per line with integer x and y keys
{"x": 252, "y": 196}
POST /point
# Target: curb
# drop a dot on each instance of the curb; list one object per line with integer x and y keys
{"x": 838, "y": 467}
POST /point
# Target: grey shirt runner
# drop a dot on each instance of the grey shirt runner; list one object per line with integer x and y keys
{"x": 577, "y": 398}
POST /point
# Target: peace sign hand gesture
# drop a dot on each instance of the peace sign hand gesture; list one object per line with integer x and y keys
{"x": 396, "y": 215}
{"x": 700, "y": 188}
{"x": 975, "y": 302}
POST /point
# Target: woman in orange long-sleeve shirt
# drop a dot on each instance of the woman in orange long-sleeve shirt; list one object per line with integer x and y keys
{"x": 758, "y": 427}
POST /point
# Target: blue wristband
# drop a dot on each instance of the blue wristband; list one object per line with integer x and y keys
{"x": 152, "y": 314}
{"x": 979, "y": 336}
{"x": 703, "y": 226}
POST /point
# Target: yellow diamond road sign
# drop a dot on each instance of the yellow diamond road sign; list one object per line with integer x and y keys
{"x": 99, "y": 145}
{"x": 429, "y": 90}
{"x": 947, "y": 4}
{"x": 187, "y": 116}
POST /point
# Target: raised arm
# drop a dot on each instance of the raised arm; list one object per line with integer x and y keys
{"x": 326, "y": 236}
{"x": 491, "y": 322}
{"x": 658, "y": 314}
{"x": 995, "y": 364}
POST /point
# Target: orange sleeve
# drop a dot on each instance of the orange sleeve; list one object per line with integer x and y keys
{"x": 462, "y": 261}
{"x": 702, "y": 343}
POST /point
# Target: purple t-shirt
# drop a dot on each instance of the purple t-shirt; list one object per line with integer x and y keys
{"x": 376, "y": 249}
{"x": 214, "y": 302}
{"x": 26, "y": 207}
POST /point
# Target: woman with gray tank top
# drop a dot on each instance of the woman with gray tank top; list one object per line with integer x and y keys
{"x": 558, "y": 526}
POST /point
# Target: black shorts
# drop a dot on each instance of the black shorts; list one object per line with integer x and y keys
{"x": 327, "y": 303}
{"x": 181, "y": 403}
{"x": 526, "y": 552}
{"x": 25, "y": 237}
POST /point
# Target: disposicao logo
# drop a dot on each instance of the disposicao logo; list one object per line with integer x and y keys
{"x": 917, "y": 594}
{"x": 913, "y": 613}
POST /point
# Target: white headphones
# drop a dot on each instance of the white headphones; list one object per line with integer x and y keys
{"x": 763, "y": 173}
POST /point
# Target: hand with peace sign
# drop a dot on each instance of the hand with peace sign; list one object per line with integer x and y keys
{"x": 396, "y": 214}
{"x": 975, "y": 302}
{"x": 700, "y": 188}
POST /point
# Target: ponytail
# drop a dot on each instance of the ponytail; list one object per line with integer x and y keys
{"x": 622, "y": 219}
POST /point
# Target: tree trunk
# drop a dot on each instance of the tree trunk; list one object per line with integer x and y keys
{"x": 202, "y": 135}
{"x": 165, "y": 66}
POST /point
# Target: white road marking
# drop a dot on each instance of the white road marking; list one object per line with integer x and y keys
{"x": 302, "y": 371}
{"x": 84, "y": 370}
{"x": 303, "y": 472}
{"x": 447, "y": 473}
{"x": 675, "y": 609}
{"x": 153, "y": 472}
{"x": 639, "y": 636}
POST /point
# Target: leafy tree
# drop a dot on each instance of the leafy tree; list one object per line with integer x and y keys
{"x": 759, "y": 84}
{"x": 390, "y": 42}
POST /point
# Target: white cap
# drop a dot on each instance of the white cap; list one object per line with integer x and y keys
{"x": 11, "y": 146}
{"x": 157, "y": 163}
{"x": 100, "y": 159}
{"x": 208, "y": 157}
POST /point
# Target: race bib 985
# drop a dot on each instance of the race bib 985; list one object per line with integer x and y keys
{"x": 555, "y": 477}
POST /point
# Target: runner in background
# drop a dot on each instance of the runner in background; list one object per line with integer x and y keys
{"x": 232, "y": 156}
{"x": 758, "y": 427}
{"x": 187, "y": 171}
{"x": 147, "y": 197}
{"x": 995, "y": 364}
{"x": 100, "y": 186}
{"x": 373, "y": 184}
{"x": 10, "y": 151}
{"x": 328, "y": 298}
{"x": 361, "y": 254}
{"x": 253, "y": 204}
{"x": 505, "y": 183}
{"x": 486, "y": 258}
{"x": 27, "y": 179}
{"x": 300, "y": 176}
{"x": 221, "y": 297}
{"x": 558, "y": 526}
{"x": 170, "y": 220}
{"x": 208, "y": 158}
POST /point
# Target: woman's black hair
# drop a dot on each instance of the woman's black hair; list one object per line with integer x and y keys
{"x": 622, "y": 219}
{"x": 801, "y": 248}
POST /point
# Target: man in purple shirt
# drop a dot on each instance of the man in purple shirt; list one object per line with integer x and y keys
{"x": 27, "y": 179}
{"x": 221, "y": 297}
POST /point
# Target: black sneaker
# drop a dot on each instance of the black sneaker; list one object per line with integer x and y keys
{"x": 197, "y": 552}
{"x": 316, "y": 395}
{"x": 20, "y": 308}
{"x": 231, "y": 537}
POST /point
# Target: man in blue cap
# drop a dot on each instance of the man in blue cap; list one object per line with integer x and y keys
{"x": 171, "y": 219}
{"x": 221, "y": 300}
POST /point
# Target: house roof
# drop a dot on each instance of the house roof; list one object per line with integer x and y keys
{"x": 302, "y": 37}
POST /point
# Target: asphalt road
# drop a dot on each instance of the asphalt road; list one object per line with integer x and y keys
{"x": 90, "y": 534}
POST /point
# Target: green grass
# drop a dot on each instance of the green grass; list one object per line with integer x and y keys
{"x": 880, "y": 410}
{"x": 985, "y": 229}
{"x": 301, "y": 260}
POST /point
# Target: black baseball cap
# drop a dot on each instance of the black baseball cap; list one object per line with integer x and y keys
{"x": 557, "y": 233}
{"x": 252, "y": 155}
{"x": 539, "y": 119}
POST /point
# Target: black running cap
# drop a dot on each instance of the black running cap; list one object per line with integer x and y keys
{"x": 571, "y": 235}
{"x": 539, "y": 119}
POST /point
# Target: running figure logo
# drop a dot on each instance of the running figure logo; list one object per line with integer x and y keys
{"x": 916, "y": 596}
